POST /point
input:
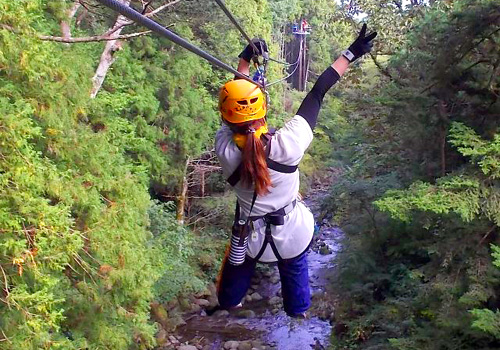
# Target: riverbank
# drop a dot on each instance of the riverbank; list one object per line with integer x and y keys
{"x": 261, "y": 323}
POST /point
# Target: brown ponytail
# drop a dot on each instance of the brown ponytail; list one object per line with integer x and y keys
{"x": 255, "y": 171}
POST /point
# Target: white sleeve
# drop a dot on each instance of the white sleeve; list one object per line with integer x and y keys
{"x": 228, "y": 153}
{"x": 291, "y": 141}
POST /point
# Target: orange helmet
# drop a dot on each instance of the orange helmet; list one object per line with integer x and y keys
{"x": 241, "y": 101}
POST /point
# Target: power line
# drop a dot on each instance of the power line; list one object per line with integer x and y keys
{"x": 157, "y": 28}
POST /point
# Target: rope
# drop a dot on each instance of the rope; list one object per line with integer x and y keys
{"x": 155, "y": 27}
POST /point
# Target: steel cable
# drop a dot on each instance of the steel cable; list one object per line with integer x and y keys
{"x": 157, "y": 28}
{"x": 289, "y": 75}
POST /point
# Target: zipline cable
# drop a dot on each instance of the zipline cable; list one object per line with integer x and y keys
{"x": 236, "y": 24}
{"x": 282, "y": 62}
{"x": 157, "y": 28}
{"x": 289, "y": 75}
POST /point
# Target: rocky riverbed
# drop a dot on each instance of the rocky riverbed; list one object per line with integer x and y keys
{"x": 261, "y": 323}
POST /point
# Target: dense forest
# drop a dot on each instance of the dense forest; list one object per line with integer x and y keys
{"x": 103, "y": 126}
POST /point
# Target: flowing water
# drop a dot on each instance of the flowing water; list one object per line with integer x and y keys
{"x": 262, "y": 324}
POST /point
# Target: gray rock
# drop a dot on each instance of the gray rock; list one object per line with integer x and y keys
{"x": 267, "y": 273}
{"x": 248, "y": 298}
{"x": 202, "y": 302}
{"x": 274, "y": 300}
{"x": 173, "y": 339}
{"x": 195, "y": 308}
{"x": 274, "y": 279}
{"x": 221, "y": 313}
{"x": 256, "y": 296}
{"x": 246, "y": 314}
{"x": 161, "y": 337}
{"x": 255, "y": 286}
{"x": 204, "y": 293}
{"x": 245, "y": 345}
{"x": 231, "y": 344}
{"x": 187, "y": 347}
{"x": 256, "y": 343}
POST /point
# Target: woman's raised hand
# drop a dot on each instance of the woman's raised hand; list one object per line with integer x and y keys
{"x": 362, "y": 45}
{"x": 248, "y": 53}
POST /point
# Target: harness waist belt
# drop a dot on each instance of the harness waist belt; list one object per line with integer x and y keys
{"x": 276, "y": 218}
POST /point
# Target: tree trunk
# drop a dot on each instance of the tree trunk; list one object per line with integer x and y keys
{"x": 182, "y": 198}
{"x": 443, "y": 149}
{"x": 445, "y": 121}
{"x": 66, "y": 25}
{"x": 108, "y": 55}
{"x": 202, "y": 183}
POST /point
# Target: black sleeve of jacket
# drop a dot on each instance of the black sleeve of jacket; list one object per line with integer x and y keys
{"x": 309, "y": 108}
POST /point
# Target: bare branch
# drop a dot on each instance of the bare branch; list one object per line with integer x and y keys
{"x": 151, "y": 13}
{"x": 7, "y": 27}
{"x": 5, "y": 338}
{"x": 88, "y": 39}
{"x": 6, "y": 289}
{"x": 382, "y": 70}
{"x": 161, "y": 8}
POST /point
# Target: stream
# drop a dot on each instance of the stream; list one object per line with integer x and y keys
{"x": 261, "y": 324}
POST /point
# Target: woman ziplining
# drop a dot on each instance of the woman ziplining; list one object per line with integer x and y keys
{"x": 272, "y": 224}
{"x": 265, "y": 178}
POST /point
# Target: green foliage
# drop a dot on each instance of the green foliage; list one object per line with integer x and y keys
{"x": 411, "y": 283}
{"x": 485, "y": 154}
{"x": 173, "y": 249}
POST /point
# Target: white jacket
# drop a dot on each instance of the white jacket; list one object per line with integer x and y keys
{"x": 288, "y": 146}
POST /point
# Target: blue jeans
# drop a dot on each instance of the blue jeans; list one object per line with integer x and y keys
{"x": 235, "y": 281}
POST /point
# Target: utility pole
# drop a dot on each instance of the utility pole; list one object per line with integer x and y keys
{"x": 301, "y": 63}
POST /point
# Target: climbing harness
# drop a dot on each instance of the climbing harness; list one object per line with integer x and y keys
{"x": 276, "y": 218}
{"x": 239, "y": 235}
{"x": 260, "y": 72}
{"x": 234, "y": 178}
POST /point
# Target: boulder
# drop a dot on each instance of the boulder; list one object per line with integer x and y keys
{"x": 274, "y": 300}
{"x": 245, "y": 345}
{"x": 161, "y": 337}
{"x": 274, "y": 279}
{"x": 256, "y": 296}
{"x": 202, "y": 302}
{"x": 159, "y": 313}
{"x": 246, "y": 314}
{"x": 231, "y": 344}
{"x": 187, "y": 347}
{"x": 221, "y": 313}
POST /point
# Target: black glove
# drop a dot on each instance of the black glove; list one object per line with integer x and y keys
{"x": 363, "y": 44}
{"x": 248, "y": 53}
